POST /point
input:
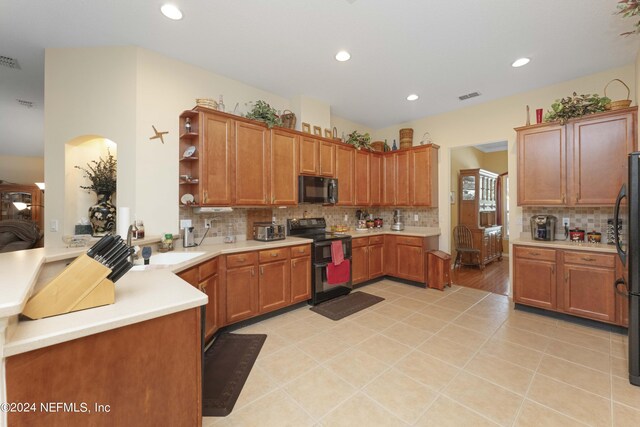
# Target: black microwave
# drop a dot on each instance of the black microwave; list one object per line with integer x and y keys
{"x": 316, "y": 189}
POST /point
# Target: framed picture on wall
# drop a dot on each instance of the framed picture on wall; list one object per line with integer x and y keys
{"x": 317, "y": 130}
{"x": 306, "y": 127}
{"x": 327, "y": 133}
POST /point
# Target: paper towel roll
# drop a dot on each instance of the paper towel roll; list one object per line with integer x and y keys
{"x": 123, "y": 220}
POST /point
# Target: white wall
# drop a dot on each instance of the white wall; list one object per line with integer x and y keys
{"x": 345, "y": 126}
{"x": 22, "y": 170}
{"x": 494, "y": 121}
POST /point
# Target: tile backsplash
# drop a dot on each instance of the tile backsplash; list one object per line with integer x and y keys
{"x": 587, "y": 218}
{"x": 237, "y": 220}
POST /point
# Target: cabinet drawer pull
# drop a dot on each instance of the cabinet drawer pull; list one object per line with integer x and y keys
{"x": 301, "y": 251}
{"x": 585, "y": 258}
{"x": 242, "y": 259}
{"x": 274, "y": 254}
{"x": 534, "y": 253}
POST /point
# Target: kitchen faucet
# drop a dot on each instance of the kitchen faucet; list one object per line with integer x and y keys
{"x": 132, "y": 229}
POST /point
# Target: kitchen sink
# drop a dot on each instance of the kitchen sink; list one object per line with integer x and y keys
{"x": 165, "y": 260}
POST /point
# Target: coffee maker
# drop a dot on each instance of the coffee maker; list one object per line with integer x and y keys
{"x": 397, "y": 225}
{"x": 543, "y": 227}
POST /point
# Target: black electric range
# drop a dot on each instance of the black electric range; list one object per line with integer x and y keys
{"x": 316, "y": 229}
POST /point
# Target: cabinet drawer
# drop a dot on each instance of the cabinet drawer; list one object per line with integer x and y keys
{"x": 274, "y": 255}
{"x": 207, "y": 269}
{"x": 376, "y": 240}
{"x": 535, "y": 253}
{"x": 298, "y": 251}
{"x": 238, "y": 260}
{"x": 190, "y": 276}
{"x": 589, "y": 258}
{"x": 359, "y": 242}
{"x": 411, "y": 241}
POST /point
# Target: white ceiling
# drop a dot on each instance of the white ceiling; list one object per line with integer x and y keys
{"x": 438, "y": 49}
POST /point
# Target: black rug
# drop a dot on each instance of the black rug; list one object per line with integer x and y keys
{"x": 341, "y": 307}
{"x": 227, "y": 364}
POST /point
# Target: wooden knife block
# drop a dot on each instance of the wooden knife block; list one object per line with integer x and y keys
{"x": 83, "y": 284}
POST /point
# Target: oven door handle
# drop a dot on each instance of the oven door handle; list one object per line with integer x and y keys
{"x": 324, "y": 264}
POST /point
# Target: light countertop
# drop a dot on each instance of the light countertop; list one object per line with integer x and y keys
{"x": 408, "y": 231}
{"x": 565, "y": 244}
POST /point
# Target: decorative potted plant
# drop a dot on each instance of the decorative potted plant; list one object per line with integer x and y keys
{"x": 575, "y": 106}
{"x": 629, "y": 8}
{"x": 265, "y": 113}
{"x": 359, "y": 140}
{"x": 102, "y": 174}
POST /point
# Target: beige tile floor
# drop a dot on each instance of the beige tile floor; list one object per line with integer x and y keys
{"x": 422, "y": 357}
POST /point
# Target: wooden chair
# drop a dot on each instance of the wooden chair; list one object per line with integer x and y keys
{"x": 464, "y": 245}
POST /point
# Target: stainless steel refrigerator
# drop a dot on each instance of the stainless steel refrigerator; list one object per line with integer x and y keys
{"x": 630, "y": 257}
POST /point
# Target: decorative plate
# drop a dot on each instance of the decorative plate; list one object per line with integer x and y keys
{"x": 189, "y": 151}
{"x": 187, "y": 199}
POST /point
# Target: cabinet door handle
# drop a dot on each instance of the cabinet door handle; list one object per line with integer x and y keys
{"x": 253, "y": 271}
{"x": 563, "y": 197}
{"x": 585, "y": 258}
{"x": 203, "y": 286}
{"x": 293, "y": 262}
{"x": 262, "y": 270}
{"x": 206, "y": 195}
{"x": 566, "y": 277}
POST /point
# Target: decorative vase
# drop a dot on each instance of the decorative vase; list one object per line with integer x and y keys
{"x": 102, "y": 216}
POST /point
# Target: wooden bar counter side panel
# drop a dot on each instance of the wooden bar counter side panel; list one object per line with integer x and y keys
{"x": 148, "y": 373}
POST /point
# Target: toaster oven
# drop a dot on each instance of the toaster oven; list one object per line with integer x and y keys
{"x": 267, "y": 231}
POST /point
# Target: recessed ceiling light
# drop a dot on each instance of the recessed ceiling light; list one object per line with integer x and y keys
{"x": 343, "y": 55}
{"x": 171, "y": 12}
{"x": 520, "y": 62}
{"x": 412, "y": 97}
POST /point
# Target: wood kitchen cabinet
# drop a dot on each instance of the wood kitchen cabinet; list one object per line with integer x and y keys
{"x": 410, "y": 258}
{"x": 534, "y": 277}
{"x": 574, "y": 282}
{"x": 345, "y": 174}
{"x": 309, "y": 156}
{"x": 423, "y": 176}
{"x": 367, "y": 258}
{"x": 204, "y": 276}
{"x": 251, "y": 164}
{"x": 274, "y": 279}
{"x": 241, "y": 287}
{"x": 389, "y": 180}
{"x": 588, "y": 284}
{"x": 376, "y": 179}
{"x": 327, "y": 156}
{"x": 300, "y": 273}
{"x": 390, "y": 260}
{"x": 402, "y": 178}
{"x": 284, "y": 166}
{"x": 362, "y": 173}
{"x": 215, "y": 158}
{"x": 564, "y": 164}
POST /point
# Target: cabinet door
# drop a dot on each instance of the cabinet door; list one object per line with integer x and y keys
{"x": 308, "y": 156}
{"x": 300, "y": 279}
{"x": 410, "y": 261}
{"x": 327, "y": 159}
{"x": 362, "y": 173}
{"x": 241, "y": 293}
{"x": 344, "y": 174}
{"x": 275, "y": 285}
{"x": 542, "y": 169}
{"x": 402, "y": 178}
{"x": 212, "y": 322}
{"x": 359, "y": 264}
{"x": 534, "y": 283}
{"x": 376, "y": 261}
{"x": 389, "y": 180}
{"x": 376, "y": 179}
{"x": 422, "y": 173}
{"x": 600, "y": 148}
{"x": 588, "y": 292}
{"x": 390, "y": 262}
{"x": 284, "y": 176}
{"x": 217, "y": 134}
{"x": 251, "y": 164}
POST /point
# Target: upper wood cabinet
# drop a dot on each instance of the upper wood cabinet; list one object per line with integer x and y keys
{"x": 217, "y": 137}
{"x": 327, "y": 156}
{"x": 388, "y": 180}
{"x": 565, "y": 164}
{"x": 284, "y": 160}
{"x": 376, "y": 179}
{"x": 345, "y": 175}
{"x": 309, "y": 156}
{"x": 423, "y": 176}
{"x": 402, "y": 178}
{"x": 362, "y": 178}
{"x": 251, "y": 166}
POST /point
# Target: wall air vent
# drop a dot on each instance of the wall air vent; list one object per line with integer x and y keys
{"x": 468, "y": 95}
{"x": 28, "y": 104}
{"x": 5, "y": 61}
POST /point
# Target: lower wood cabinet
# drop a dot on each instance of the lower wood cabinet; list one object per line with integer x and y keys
{"x": 366, "y": 258}
{"x": 275, "y": 285}
{"x": 573, "y": 282}
{"x": 241, "y": 294}
{"x": 300, "y": 279}
{"x": 410, "y": 258}
{"x": 205, "y": 277}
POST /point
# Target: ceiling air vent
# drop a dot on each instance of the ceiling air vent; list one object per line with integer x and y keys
{"x": 468, "y": 95}
{"x": 28, "y": 104}
{"x": 5, "y": 61}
